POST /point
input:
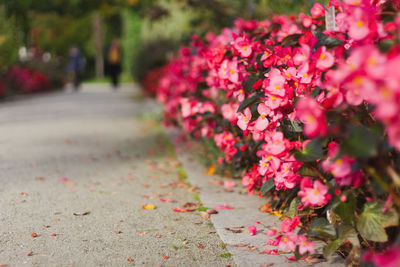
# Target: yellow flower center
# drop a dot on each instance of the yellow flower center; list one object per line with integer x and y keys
{"x": 277, "y": 87}
{"x": 269, "y": 158}
{"x": 306, "y": 75}
{"x": 372, "y": 62}
{"x": 262, "y": 116}
{"x": 285, "y": 239}
{"x": 316, "y": 191}
{"x": 273, "y": 98}
{"x": 360, "y": 24}
{"x": 358, "y": 80}
{"x": 232, "y": 71}
{"x": 288, "y": 74}
{"x": 322, "y": 56}
{"x": 246, "y": 118}
{"x": 245, "y": 47}
{"x": 386, "y": 93}
{"x": 339, "y": 161}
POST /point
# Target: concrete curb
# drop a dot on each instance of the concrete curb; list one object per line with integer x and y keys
{"x": 244, "y": 214}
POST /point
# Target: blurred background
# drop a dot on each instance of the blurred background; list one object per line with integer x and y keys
{"x": 36, "y": 36}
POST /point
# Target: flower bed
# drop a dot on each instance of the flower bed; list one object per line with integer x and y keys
{"x": 310, "y": 119}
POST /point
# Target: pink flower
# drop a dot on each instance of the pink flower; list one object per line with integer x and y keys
{"x": 229, "y": 111}
{"x": 288, "y": 242}
{"x": 229, "y": 184}
{"x": 311, "y": 114}
{"x": 358, "y": 25}
{"x": 389, "y": 258}
{"x": 271, "y": 233}
{"x": 262, "y": 121}
{"x": 338, "y": 167}
{"x": 244, "y": 119}
{"x": 325, "y": 59}
{"x": 317, "y": 10}
{"x": 275, "y": 144}
{"x": 276, "y": 83}
{"x": 313, "y": 194}
{"x": 252, "y": 229}
{"x": 243, "y": 45}
{"x": 289, "y": 225}
{"x": 305, "y": 245}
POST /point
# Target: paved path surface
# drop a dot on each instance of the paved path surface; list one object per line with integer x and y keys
{"x": 115, "y": 159}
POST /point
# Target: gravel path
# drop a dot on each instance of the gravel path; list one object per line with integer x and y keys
{"x": 76, "y": 169}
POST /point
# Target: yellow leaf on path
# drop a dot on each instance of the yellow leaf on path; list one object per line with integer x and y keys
{"x": 211, "y": 169}
{"x": 148, "y": 207}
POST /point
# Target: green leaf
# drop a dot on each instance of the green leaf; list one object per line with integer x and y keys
{"x": 325, "y": 40}
{"x": 331, "y": 247}
{"x": 306, "y": 171}
{"x": 225, "y": 255}
{"x": 322, "y": 228}
{"x": 267, "y": 186}
{"x": 362, "y": 142}
{"x": 311, "y": 152}
{"x": 291, "y": 40}
{"x": 248, "y": 84}
{"x": 373, "y": 221}
{"x": 252, "y": 99}
{"x": 345, "y": 210}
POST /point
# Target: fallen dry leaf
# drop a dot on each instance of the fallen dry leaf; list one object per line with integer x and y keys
{"x": 142, "y": 233}
{"x": 240, "y": 245}
{"x": 145, "y": 185}
{"x": 24, "y": 194}
{"x": 34, "y": 234}
{"x": 204, "y": 215}
{"x": 158, "y": 236}
{"x": 30, "y": 254}
{"x": 40, "y": 178}
{"x": 185, "y": 242}
{"x": 165, "y": 257}
{"x": 82, "y": 213}
{"x": 130, "y": 260}
{"x": 118, "y": 232}
{"x": 200, "y": 246}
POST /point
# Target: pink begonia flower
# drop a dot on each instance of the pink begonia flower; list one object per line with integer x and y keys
{"x": 389, "y": 258}
{"x": 252, "y": 179}
{"x": 271, "y": 251}
{"x": 63, "y": 179}
{"x": 340, "y": 167}
{"x": 311, "y": 114}
{"x": 244, "y": 119}
{"x": 229, "y": 111}
{"x": 307, "y": 20}
{"x": 325, "y": 59}
{"x": 317, "y": 10}
{"x": 275, "y": 144}
{"x": 288, "y": 242}
{"x": 289, "y": 225}
{"x": 229, "y": 70}
{"x": 304, "y": 75}
{"x": 186, "y": 108}
{"x": 262, "y": 121}
{"x": 305, "y": 245}
{"x": 313, "y": 194}
{"x": 359, "y": 28}
{"x": 252, "y": 229}
{"x": 276, "y": 83}
{"x": 243, "y": 46}
{"x": 240, "y": 95}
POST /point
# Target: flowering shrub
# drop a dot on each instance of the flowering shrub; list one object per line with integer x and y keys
{"x": 309, "y": 116}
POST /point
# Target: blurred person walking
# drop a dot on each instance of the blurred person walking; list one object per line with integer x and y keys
{"x": 114, "y": 62}
{"x": 76, "y": 66}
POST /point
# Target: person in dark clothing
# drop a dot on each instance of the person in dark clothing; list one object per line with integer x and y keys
{"x": 76, "y": 66}
{"x": 114, "y": 59}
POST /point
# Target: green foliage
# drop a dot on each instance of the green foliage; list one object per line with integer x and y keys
{"x": 9, "y": 41}
{"x": 321, "y": 228}
{"x": 373, "y": 221}
{"x": 267, "y": 186}
{"x": 311, "y": 152}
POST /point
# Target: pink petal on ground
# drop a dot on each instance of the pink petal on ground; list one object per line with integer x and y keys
{"x": 63, "y": 179}
{"x": 223, "y": 207}
{"x": 229, "y": 184}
